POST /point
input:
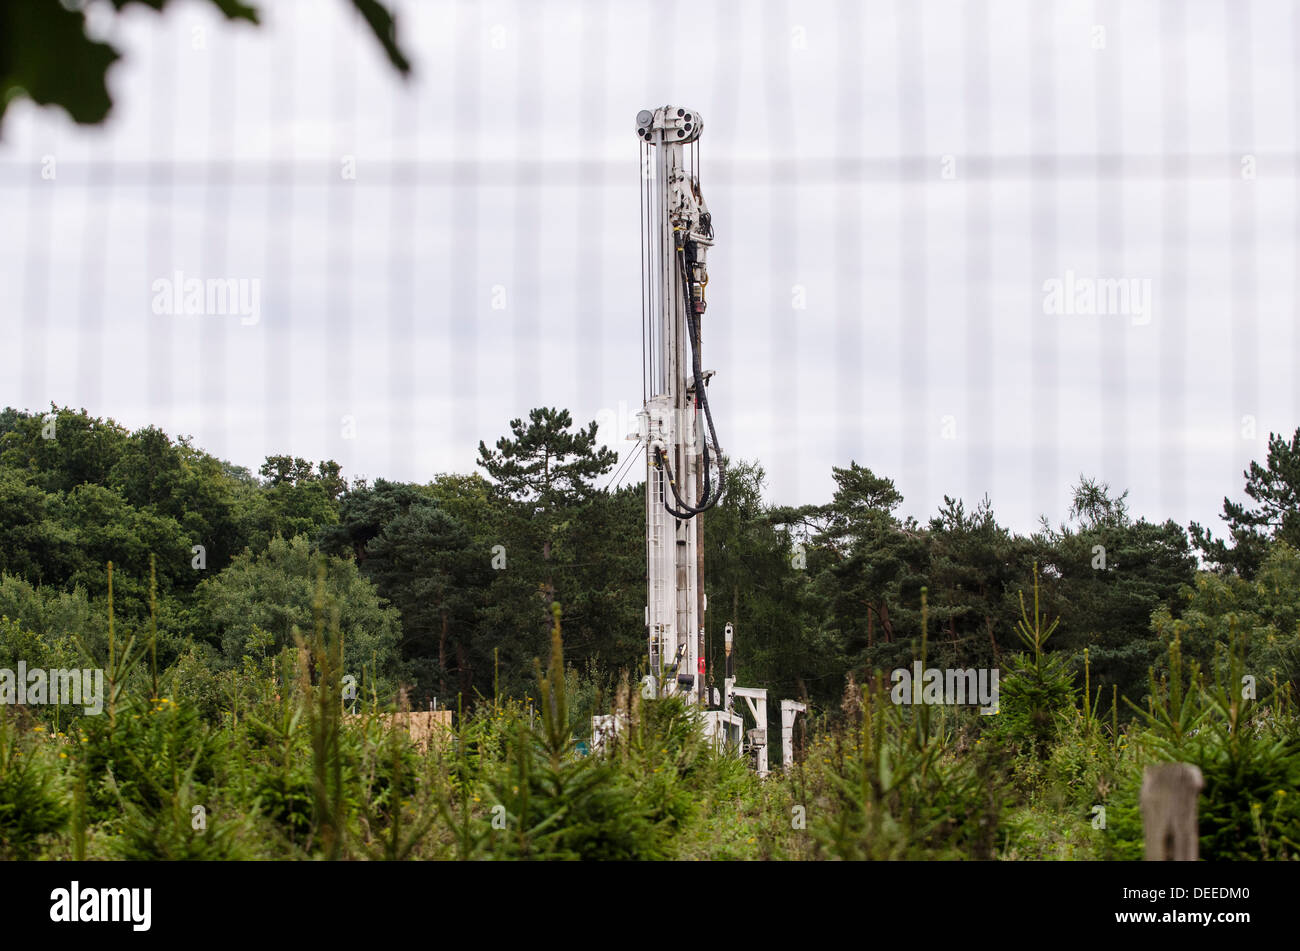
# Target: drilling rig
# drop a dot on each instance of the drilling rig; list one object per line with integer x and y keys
{"x": 685, "y": 470}
{"x": 684, "y": 467}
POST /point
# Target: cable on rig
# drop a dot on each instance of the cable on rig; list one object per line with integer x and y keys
{"x": 652, "y": 331}
{"x": 712, "y": 494}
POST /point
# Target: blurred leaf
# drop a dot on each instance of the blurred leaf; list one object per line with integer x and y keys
{"x": 46, "y": 55}
{"x": 384, "y": 26}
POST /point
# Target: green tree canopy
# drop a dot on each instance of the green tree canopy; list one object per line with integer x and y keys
{"x": 256, "y": 602}
{"x": 545, "y": 466}
{"x": 1275, "y": 486}
{"x": 425, "y": 563}
{"x": 1106, "y": 574}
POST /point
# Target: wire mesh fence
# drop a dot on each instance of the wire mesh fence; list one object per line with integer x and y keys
{"x": 982, "y": 247}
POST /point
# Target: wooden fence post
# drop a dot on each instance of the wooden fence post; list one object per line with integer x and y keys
{"x": 1169, "y": 794}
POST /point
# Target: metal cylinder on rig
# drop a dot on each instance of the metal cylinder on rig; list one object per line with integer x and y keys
{"x": 677, "y": 233}
{"x": 729, "y": 635}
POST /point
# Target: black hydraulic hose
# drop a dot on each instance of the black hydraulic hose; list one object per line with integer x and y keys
{"x": 684, "y": 513}
{"x": 701, "y": 392}
{"x": 711, "y": 498}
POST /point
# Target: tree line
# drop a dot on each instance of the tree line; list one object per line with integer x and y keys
{"x": 445, "y": 587}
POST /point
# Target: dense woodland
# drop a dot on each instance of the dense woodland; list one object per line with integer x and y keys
{"x": 1104, "y": 626}
{"x": 429, "y": 600}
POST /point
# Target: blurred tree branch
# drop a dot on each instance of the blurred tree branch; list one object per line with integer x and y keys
{"x": 46, "y": 55}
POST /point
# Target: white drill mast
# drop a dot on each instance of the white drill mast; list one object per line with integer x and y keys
{"x": 675, "y": 425}
{"x": 684, "y": 468}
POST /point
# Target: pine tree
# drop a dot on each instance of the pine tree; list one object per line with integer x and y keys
{"x": 545, "y": 469}
{"x": 545, "y": 466}
{"x": 1276, "y": 487}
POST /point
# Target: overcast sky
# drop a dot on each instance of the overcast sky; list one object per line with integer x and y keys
{"x": 894, "y": 187}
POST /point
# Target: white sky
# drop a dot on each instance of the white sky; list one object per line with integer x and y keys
{"x": 506, "y": 166}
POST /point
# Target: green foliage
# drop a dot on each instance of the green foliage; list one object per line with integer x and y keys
{"x": 62, "y": 449}
{"x": 563, "y": 540}
{"x": 424, "y": 562}
{"x": 1249, "y": 806}
{"x": 1110, "y": 572}
{"x": 275, "y": 592}
{"x": 559, "y": 805}
{"x": 160, "y": 766}
{"x": 1264, "y": 612}
{"x": 544, "y": 465}
{"x": 33, "y": 804}
{"x": 20, "y": 644}
{"x": 872, "y": 586}
{"x": 1248, "y": 756}
{"x": 902, "y": 784}
{"x": 1275, "y": 486}
{"x": 1038, "y": 686}
{"x": 47, "y": 55}
{"x": 324, "y": 715}
{"x": 1251, "y": 770}
{"x": 447, "y": 589}
{"x": 55, "y": 616}
{"x": 974, "y": 561}
{"x": 762, "y": 584}
{"x": 363, "y": 513}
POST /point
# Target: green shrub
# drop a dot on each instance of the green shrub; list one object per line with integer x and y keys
{"x": 33, "y": 803}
